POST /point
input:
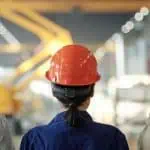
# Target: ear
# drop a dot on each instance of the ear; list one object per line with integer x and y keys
{"x": 100, "y": 77}
{"x": 47, "y": 75}
{"x": 92, "y": 90}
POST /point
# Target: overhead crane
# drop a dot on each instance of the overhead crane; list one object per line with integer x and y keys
{"x": 92, "y": 6}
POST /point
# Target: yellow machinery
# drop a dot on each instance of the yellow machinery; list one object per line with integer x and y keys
{"x": 8, "y": 105}
{"x": 101, "y": 6}
{"x": 52, "y": 38}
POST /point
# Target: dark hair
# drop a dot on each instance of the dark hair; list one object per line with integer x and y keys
{"x": 72, "y": 97}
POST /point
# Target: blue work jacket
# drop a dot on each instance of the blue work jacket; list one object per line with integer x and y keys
{"x": 58, "y": 135}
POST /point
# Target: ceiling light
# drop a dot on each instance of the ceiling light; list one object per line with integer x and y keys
{"x": 139, "y": 16}
{"x": 144, "y": 11}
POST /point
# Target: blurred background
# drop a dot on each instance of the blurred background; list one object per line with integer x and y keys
{"x": 116, "y": 31}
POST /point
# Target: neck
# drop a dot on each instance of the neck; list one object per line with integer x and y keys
{"x": 82, "y": 108}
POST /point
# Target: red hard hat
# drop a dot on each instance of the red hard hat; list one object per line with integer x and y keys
{"x": 73, "y": 65}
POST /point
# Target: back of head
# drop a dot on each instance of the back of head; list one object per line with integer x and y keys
{"x": 73, "y": 97}
{"x": 73, "y": 73}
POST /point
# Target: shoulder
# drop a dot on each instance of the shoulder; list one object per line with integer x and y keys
{"x": 32, "y": 134}
{"x": 105, "y": 127}
{"x": 110, "y": 129}
{"x": 114, "y": 135}
{"x": 32, "y": 140}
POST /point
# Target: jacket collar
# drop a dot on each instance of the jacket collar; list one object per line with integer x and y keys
{"x": 61, "y": 116}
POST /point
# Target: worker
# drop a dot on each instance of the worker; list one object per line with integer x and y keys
{"x": 144, "y": 138}
{"x": 73, "y": 74}
{"x": 6, "y": 142}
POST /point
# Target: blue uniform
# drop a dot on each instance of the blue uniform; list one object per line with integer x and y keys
{"x": 58, "y": 135}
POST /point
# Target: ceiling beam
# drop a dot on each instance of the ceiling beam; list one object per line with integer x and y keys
{"x": 85, "y": 6}
{"x": 29, "y": 25}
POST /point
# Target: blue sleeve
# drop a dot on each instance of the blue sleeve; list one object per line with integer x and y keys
{"x": 32, "y": 141}
{"x": 121, "y": 142}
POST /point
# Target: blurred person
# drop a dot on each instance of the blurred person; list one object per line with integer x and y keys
{"x": 5, "y": 135}
{"x": 144, "y": 139}
{"x": 73, "y": 74}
